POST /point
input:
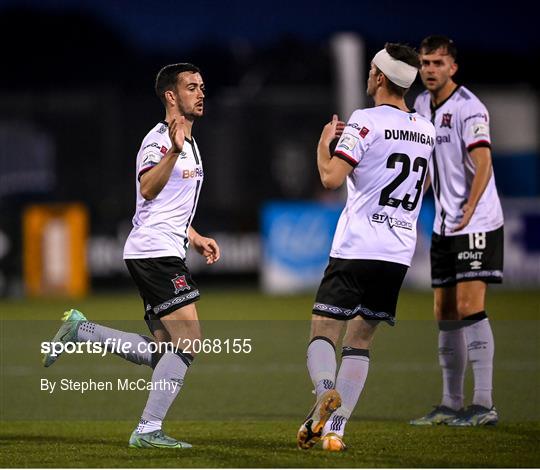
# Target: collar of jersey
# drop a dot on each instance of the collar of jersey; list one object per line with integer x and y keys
{"x": 189, "y": 141}
{"x": 435, "y": 108}
{"x": 394, "y": 106}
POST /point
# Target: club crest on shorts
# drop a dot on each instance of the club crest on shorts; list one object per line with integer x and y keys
{"x": 180, "y": 284}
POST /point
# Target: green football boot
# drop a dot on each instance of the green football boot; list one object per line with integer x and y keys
{"x": 440, "y": 415}
{"x": 477, "y": 415}
{"x": 66, "y": 334}
{"x": 155, "y": 439}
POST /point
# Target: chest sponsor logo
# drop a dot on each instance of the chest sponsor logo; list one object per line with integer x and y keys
{"x": 443, "y": 139}
{"x": 194, "y": 173}
{"x": 180, "y": 284}
{"x": 446, "y": 120}
{"x": 392, "y": 221}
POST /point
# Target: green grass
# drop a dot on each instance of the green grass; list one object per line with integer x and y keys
{"x": 269, "y": 444}
{"x": 244, "y": 410}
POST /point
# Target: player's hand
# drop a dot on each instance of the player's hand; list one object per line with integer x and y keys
{"x": 176, "y": 134}
{"x": 207, "y": 247}
{"x": 468, "y": 211}
{"x": 332, "y": 130}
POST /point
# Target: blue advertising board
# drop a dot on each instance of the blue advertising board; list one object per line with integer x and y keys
{"x": 297, "y": 237}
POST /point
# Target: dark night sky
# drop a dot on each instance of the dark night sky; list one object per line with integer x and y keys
{"x": 123, "y": 43}
{"x": 174, "y": 26}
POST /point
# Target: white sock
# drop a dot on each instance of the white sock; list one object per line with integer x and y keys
{"x": 145, "y": 426}
{"x": 321, "y": 364}
{"x": 115, "y": 340}
{"x": 167, "y": 379}
{"x": 350, "y": 382}
{"x": 481, "y": 349}
{"x": 453, "y": 362}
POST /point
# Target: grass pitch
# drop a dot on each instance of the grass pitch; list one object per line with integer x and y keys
{"x": 244, "y": 410}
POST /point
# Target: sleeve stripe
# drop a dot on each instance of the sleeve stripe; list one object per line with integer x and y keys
{"x": 480, "y": 143}
{"x": 142, "y": 171}
{"x": 343, "y": 156}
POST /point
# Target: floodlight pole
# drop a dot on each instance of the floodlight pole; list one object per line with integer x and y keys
{"x": 348, "y": 51}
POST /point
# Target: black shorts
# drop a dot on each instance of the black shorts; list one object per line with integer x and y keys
{"x": 352, "y": 287}
{"x": 165, "y": 285}
{"x": 469, "y": 257}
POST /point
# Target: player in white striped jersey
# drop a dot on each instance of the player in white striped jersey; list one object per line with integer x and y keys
{"x": 383, "y": 154}
{"x": 467, "y": 241}
{"x": 161, "y": 224}
{"x": 169, "y": 177}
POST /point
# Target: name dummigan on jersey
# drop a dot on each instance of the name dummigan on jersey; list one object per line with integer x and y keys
{"x": 412, "y": 136}
{"x": 91, "y": 385}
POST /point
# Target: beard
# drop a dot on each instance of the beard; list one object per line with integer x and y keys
{"x": 190, "y": 114}
{"x": 369, "y": 90}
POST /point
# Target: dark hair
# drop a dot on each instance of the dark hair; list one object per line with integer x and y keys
{"x": 168, "y": 75}
{"x": 405, "y": 54}
{"x": 434, "y": 42}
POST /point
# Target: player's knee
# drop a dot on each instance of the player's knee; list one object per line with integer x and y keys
{"x": 466, "y": 306}
{"x": 358, "y": 342}
{"x": 446, "y": 315}
{"x": 191, "y": 342}
{"x": 445, "y": 311}
{"x": 327, "y": 328}
{"x": 185, "y": 356}
{"x": 360, "y": 335}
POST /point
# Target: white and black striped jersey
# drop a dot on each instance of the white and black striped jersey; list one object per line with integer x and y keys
{"x": 462, "y": 124}
{"x": 160, "y": 226}
{"x": 390, "y": 151}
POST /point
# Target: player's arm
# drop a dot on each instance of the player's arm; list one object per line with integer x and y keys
{"x": 205, "y": 246}
{"x": 481, "y": 157}
{"x": 155, "y": 179}
{"x": 427, "y": 183}
{"x": 332, "y": 171}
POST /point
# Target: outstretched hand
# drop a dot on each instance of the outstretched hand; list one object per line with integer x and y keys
{"x": 332, "y": 130}
{"x": 206, "y": 247}
{"x": 176, "y": 134}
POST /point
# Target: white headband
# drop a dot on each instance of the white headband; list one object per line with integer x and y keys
{"x": 396, "y": 71}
